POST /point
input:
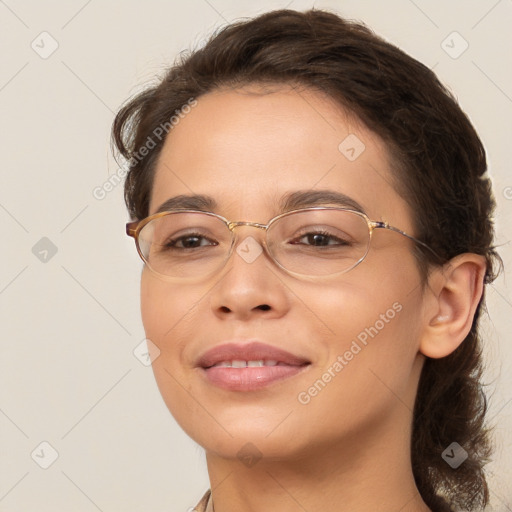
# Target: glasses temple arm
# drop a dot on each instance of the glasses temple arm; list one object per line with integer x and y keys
{"x": 131, "y": 228}
{"x": 385, "y": 225}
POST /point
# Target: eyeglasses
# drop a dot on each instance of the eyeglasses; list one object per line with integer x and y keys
{"x": 310, "y": 242}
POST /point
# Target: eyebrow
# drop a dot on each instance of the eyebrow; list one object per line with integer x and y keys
{"x": 290, "y": 201}
{"x": 189, "y": 202}
{"x": 307, "y": 198}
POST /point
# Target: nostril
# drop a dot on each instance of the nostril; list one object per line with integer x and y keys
{"x": 264, "y": 307}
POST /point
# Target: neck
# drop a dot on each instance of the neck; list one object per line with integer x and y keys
{"x": 367, "y": 472}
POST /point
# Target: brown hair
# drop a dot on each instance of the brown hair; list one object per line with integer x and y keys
{"x": 440, "y": 170}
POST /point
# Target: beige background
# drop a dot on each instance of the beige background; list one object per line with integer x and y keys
{"x": 70, "y": 324}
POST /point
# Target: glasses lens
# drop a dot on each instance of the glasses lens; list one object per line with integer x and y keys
{"x": 309, "y": 242}
{"x": 185, "y": 244}
{"x": 319, "y": 242}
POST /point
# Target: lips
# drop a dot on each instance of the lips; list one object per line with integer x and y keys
{"x": 239, "y": 366}
{"x": 253, "y": 351}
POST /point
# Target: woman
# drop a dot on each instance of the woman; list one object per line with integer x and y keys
{"x": 311, "y": 206}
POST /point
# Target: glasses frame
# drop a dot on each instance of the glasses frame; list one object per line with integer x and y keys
{"x": 134, "y": 228}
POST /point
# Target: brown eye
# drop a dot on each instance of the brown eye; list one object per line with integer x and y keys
{"x": 190, "y": 241}
{"x": 320, "y": 239}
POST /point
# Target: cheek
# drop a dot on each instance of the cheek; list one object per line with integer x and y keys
{"x": 167, "y": 315}
{"x": 385, "y": 326}
{"x": 374, "y": 317}
{"x": 367, "y": 370}
{"x": 166, "y": 309}
{"x": 156, "y": 302}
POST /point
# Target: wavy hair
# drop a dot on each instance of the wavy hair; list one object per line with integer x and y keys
{"x": 440, "y": 170}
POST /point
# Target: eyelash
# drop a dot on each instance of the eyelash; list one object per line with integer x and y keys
{"x": 172, "y": 242}
{"x": 326, "y": 234}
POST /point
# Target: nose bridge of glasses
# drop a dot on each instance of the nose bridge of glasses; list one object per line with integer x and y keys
{"x": 261, "y": 227}
{"x": 234, "y": 224}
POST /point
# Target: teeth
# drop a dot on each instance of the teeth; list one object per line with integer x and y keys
{"x": 238, "y": 363}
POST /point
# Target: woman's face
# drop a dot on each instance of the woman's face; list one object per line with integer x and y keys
{"x": 357, "y": 334}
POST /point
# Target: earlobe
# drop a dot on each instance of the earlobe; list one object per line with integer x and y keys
{"x": 451, "y": 301}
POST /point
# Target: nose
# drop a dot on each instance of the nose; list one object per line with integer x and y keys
{"x": 249, "y": 244}
{"x": 250, "y": 284}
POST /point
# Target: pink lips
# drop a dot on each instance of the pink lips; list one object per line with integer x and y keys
{"x": 248, "y": 366}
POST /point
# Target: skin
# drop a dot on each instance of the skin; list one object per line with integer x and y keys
{"x": 348, "y": 448}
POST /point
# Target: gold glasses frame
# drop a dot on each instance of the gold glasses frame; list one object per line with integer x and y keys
{"x": 134, "y": 228}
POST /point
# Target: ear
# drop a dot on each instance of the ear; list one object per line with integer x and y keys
{"x": 451, "y": 299}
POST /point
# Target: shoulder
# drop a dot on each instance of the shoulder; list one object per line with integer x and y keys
{"x": 203, "y": 504}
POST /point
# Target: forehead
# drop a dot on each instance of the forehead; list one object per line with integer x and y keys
{"x": 249, "y": 147}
